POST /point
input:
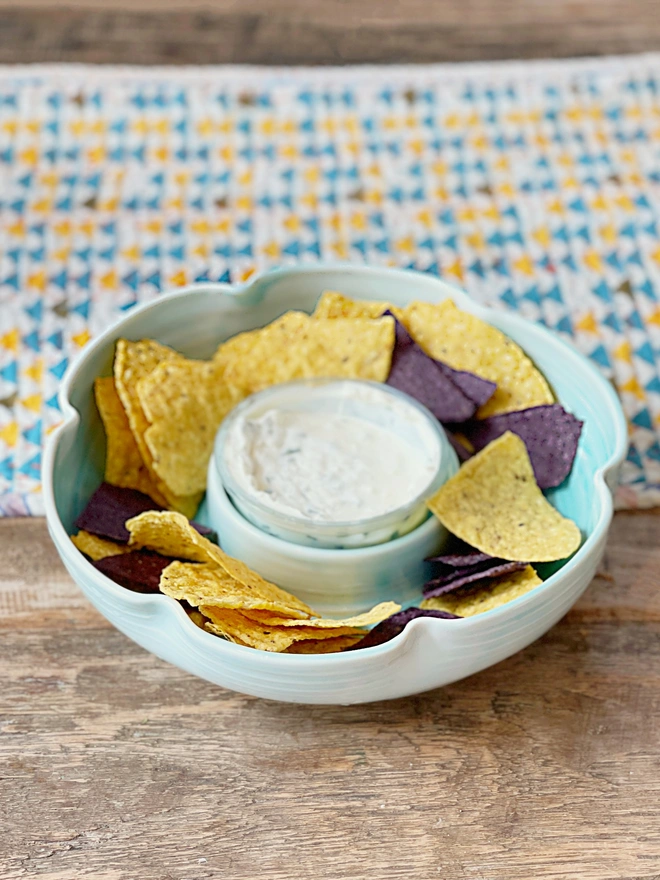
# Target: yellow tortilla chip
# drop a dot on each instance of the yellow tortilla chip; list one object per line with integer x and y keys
{"x": 368, "y": 618}
{"x": 467, "y": 343}
{"x": 336, "y": 305}
{"x": 324, "y": 646}
{"x": 494, "y": 504}
{"x": 171, "y": 534}
{"x": 184, "y": 403}
{"x": 296, "y": 346}
{"x": 197, "y": 617}
{"x": 210, "y": 585}
{"x": 123, "y": 462}
{"x": 475, "y": 600}
{"x": 133, "y": 362}
{"x": 97, "y": 548}
{"x": 243, "y": 630}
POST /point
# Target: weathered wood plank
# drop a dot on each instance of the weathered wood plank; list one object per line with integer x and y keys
{"x": 315, "y": 32}
{"x": 116, "y": 766}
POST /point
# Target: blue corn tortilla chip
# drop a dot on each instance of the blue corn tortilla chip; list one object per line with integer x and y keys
{"x": 477, "y": 389}
{"x": 465, "y": 559}
{"x": 463, "y": 576}
{"x": 110, "y": 507}
{"x": 392, "y": 626}
{"x": 550, "y": 434}
{"x": 139, "y": 571}
{"x": 445, "y": 392}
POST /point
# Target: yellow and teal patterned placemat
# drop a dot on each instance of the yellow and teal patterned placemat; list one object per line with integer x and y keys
{"x": 535, "y": 186}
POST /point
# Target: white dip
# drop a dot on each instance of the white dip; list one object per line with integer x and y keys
{"x": 334, "y": 452}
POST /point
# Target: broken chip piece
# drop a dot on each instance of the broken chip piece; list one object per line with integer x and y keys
{"x": 550, "y": 434}
{"x": 388, "y": 629}
{"x": 139, "y": 570}
{"x": 494, "y": 504}
{"x": 476, "y": 599}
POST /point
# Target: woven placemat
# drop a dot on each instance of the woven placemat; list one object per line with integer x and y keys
{"x": 535, "y": 186}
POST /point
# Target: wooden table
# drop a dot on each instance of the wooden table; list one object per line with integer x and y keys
{"x": 321, "y": 31}
{"x": 115, "y": 766}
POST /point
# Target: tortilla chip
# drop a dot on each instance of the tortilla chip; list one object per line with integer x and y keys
{"x": 368, "y": 618}
{"x": 551, "y": 436}
{"x": 123, "y": 462}
{"x": 428, "y": 381}
{"x": 139, "y": 570}
{"x": 106, "y": 512}
{"x": 475, "y": 600}
{"x": 243, "y": 630}
{"x": 336, "y": 305}
{"x": 133, "y": 362}
{"x": 464, "y": 558}
{"x": 396, "y": 624}
{"x": 296, "y": 346}
{"x": 467, "y": 343}
{"x": 97, "y": 548}
{"x": 460, "y": 577}
{"x": 200, "y": 584}
{"x": 494, "y": 504}
{"x": 197, "y": 617}
{"x": 323, "y": 646}
{"x": 171, "y": 534}
{"x": 184, "y": 403}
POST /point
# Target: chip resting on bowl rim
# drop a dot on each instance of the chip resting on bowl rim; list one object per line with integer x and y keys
{"x": 494, "y": 504}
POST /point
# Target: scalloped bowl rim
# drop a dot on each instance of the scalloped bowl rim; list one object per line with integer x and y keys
{"x": 207, "y": 641}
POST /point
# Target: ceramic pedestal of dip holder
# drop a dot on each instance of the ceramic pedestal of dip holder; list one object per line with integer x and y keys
{"x": 429, "y": 652}
{"x": 338, "y": 568}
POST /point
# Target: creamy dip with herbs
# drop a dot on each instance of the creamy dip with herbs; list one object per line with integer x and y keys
{"x": 349, "y": 452}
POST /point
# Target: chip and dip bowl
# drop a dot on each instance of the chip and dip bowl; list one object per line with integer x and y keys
{"x": 429, "y": 652}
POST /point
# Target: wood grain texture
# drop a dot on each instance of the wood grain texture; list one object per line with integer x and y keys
{"x": 321, "y": 31}
{"x": 116, "y": 766}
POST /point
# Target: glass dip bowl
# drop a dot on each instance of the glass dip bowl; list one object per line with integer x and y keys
{"x": 332, "y": 463}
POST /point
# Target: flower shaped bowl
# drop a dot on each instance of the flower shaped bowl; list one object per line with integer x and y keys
{"x": 430, "y": 652}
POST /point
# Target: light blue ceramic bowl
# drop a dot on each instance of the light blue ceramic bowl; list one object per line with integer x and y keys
{"x": 429, "y": 652}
